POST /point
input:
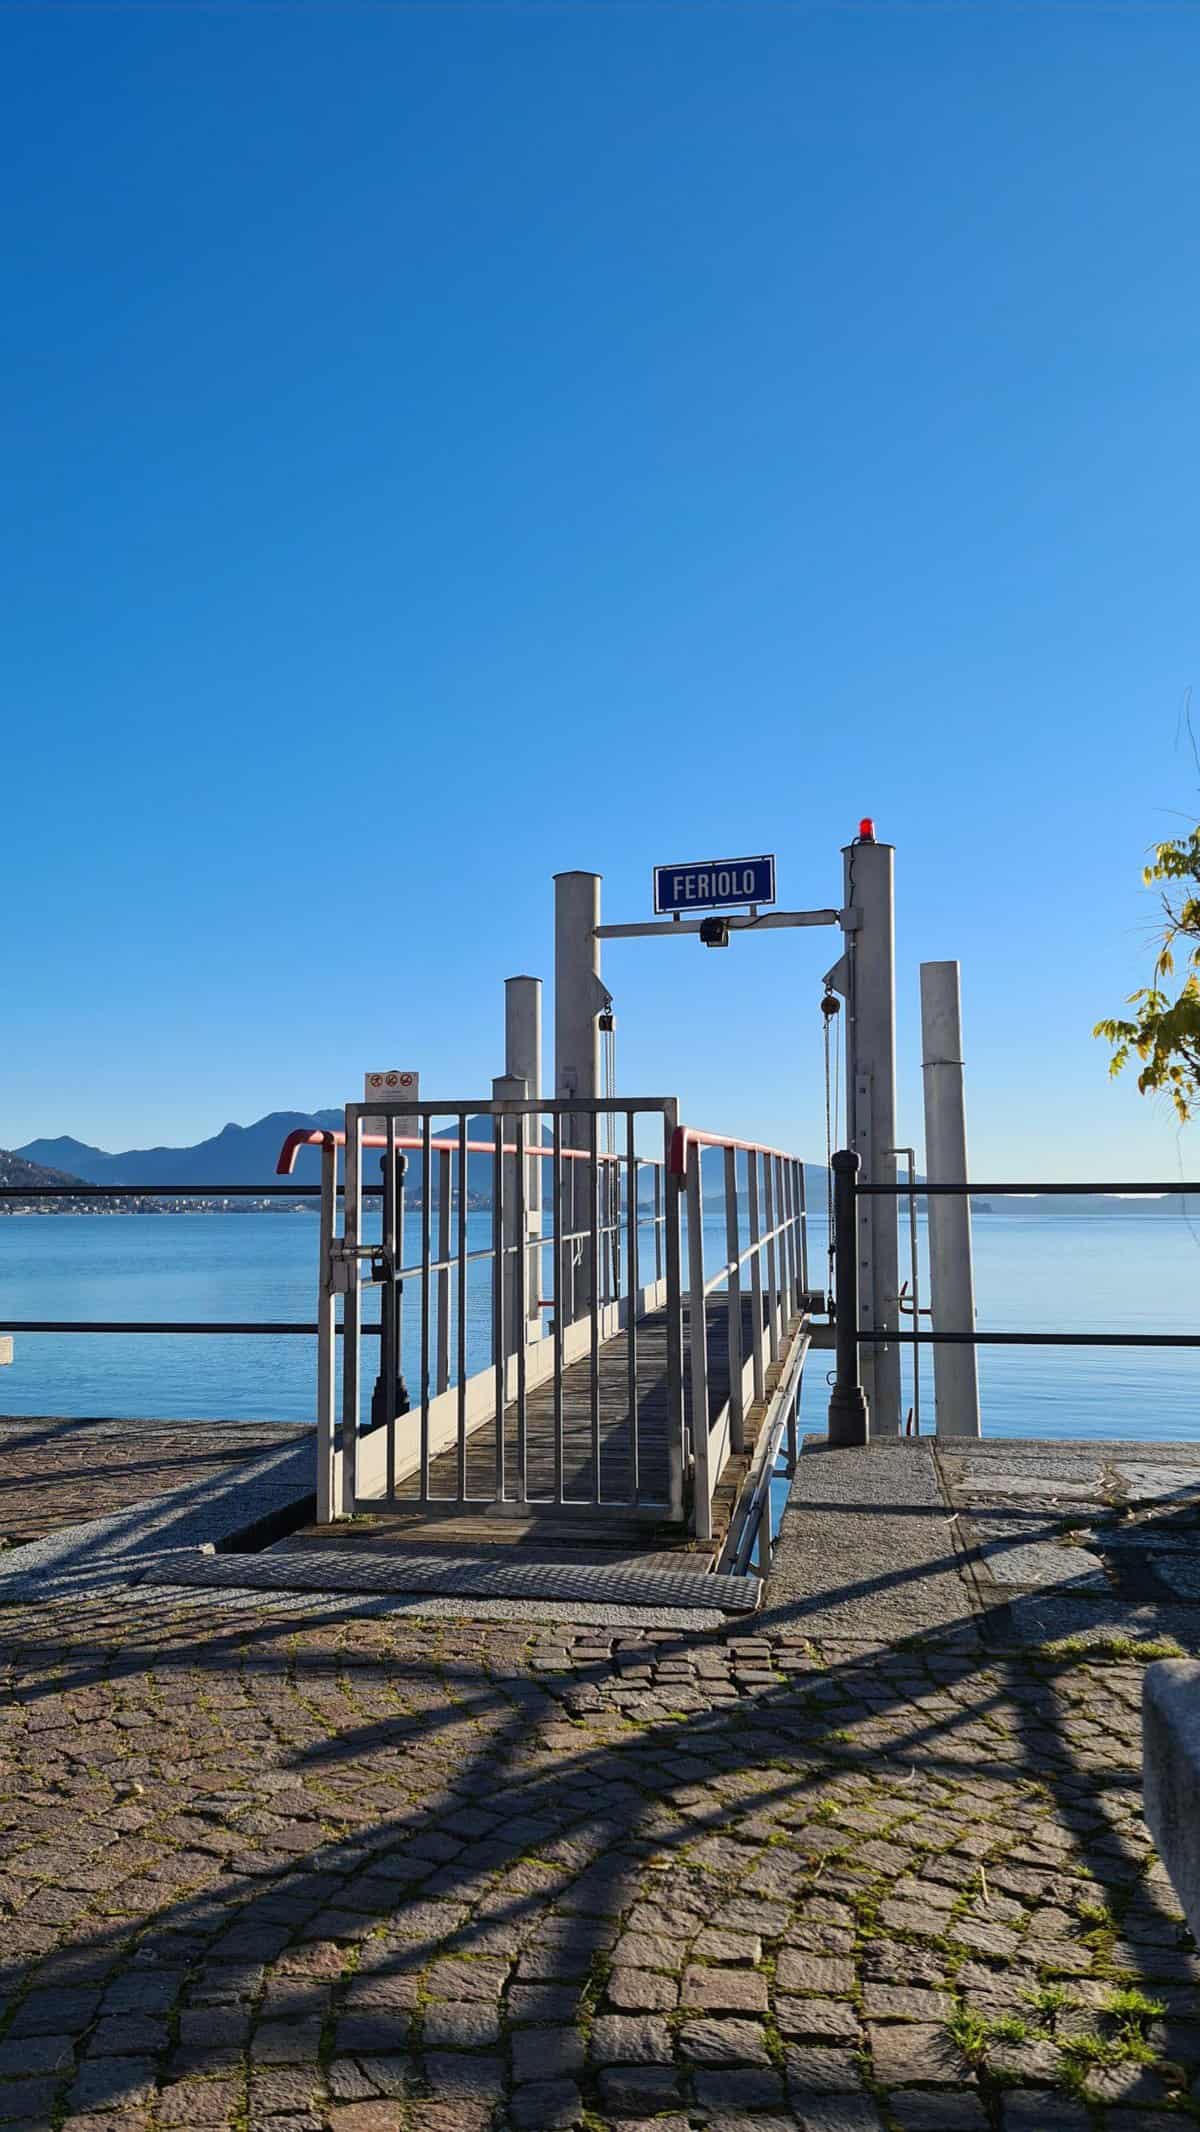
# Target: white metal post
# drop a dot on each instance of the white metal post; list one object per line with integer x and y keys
{"x": 445, "y": 1194}
{"x": 698, "y": 1346}
{"x": 510, "y": 1243}
{"x": 871, "y": 1090}
{"x": 756, "y": 1286}
{"x": 578, "y": 998}
{"x": 329, "y": 1457}
{"x": 523, "y": 1060}
{"x": 667, "y": 1251}
{"x": 952, "y": 1282}
{"x": 774, "y": 1257}
{"x": 733, "y": 1280}
{"x": 352, "y": 1308}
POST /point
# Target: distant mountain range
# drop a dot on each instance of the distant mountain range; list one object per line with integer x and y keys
{"x": 17, "y": 1172}
{"x": 72, "y": 1196}
{"x": 247, "y": 1154}
{"x": 238, "y": 1154}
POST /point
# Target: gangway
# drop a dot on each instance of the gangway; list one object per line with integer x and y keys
{"x": 576, "y": 1427}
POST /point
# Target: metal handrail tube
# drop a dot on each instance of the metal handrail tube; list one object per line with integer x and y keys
{"x": 403, "y": 1141}
{"x": 685, "y": 1135}
{"x": 416, "y": 1272}
{"x": 1035, "y": 1191}
{"x": 729, "y": 1265}
{"x": 264, "y": 1326}
{"x": 1035, "y": 1339}
{"x": 756, "y": 1249}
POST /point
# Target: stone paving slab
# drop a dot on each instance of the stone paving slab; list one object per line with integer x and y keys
{"x": 56, "y": 1472}
{"x": 867, "y": 1545}
{"x": 1117, "y": 1551}
{"x": 919, "y": 1535}
{"x": 210, "y": 1510}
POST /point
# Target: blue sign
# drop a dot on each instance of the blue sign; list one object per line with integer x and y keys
{"x": 706, "y": 884}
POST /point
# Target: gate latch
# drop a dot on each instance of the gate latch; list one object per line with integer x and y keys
{"x": 343, "y": 1264}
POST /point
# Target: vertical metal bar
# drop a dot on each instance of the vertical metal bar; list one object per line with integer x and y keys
{"x": 793, "y": 1419}
{"x": 443, "y": 1280}
{"x": 594, "y": 1282}
{"x": 520, "y": 1309}
{"x": 669, "y": 1191}
{"x": 328, "y": 1492}
{"x": 772, "y": 1258}
{"x": 802, "y": 1209}
{"x": 463, "y": 1165}
{"x": 560, "y": 1288}
{"x": 776, "y": 1169}
{"x": 737, "y": 1424}
{"x": 401, "y": 1170}
{"x": 916, "y": 1288}
{"x": 534, "y": 1201}
{"x": 426, "y": 1254}
{"x": 756, "y": 1298}
{"x": 782, "y": 1216}
{"x": 698, "y": 1342}
{"x": 615, "y": 1189}
{"x": 499, "y": 1284}
{"x": 352, "y": 1308}
{"x": 631, "y": 1336}
{"x": 849, "y": 1421}
{"x": 764, "y": 1532}
{"x": 785, "y": 1200}
{"x": 659, "y": 1175}
{"x": 389, "y": 1345}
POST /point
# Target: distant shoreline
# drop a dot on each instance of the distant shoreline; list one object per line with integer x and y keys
{"x": 15, "y": 1209}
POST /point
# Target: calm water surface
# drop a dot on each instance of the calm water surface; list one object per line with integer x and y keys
{"x": 1073, "y": 1276}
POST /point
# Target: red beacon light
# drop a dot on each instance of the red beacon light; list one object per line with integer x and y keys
{"x": 866, "y": 830}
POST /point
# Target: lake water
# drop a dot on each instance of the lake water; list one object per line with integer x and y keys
{"x": 1077, "y": 1276}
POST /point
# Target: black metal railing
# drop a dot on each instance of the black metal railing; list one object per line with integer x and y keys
{"x": 253, "y": 1327}
{"x": 849, "y": 1422}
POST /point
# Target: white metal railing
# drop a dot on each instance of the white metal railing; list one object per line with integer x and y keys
{"x": 528, "y": 1383}
{"x": 545, "y": 1328}
{"x": 770, "y": 1272}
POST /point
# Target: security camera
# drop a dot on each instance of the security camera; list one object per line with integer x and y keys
{"x": 714, "y": 932}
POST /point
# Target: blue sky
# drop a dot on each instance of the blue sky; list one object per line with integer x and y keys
{"x": 449, "y": 445}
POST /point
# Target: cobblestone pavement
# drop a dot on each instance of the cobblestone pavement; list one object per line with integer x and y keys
{"x": 56, "y": 1473}
{"x": 277, "y": 1866}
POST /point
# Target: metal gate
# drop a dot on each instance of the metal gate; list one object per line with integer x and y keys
{"x": 511, "y": 1323}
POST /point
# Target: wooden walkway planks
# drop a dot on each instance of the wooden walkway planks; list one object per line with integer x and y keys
{"x": 615, "y": 1440}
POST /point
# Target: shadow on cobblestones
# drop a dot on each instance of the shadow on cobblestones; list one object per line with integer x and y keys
{"x": 299, "y": 1866}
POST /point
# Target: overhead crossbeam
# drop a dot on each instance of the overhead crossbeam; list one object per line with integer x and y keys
{"x": 767, "y": 921}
